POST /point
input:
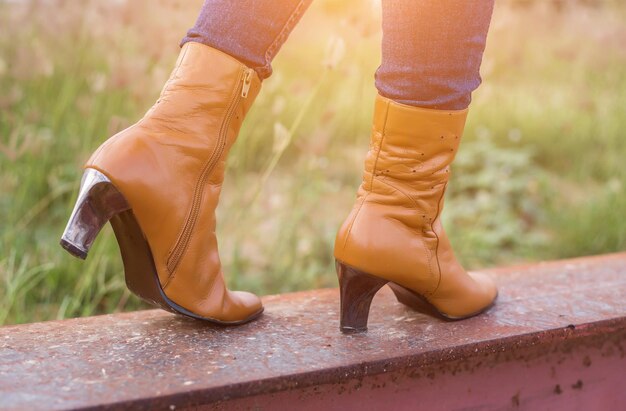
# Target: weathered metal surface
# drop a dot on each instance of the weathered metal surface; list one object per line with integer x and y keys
{"x": 585, "y": 376}
{"x": 555, "y": 324}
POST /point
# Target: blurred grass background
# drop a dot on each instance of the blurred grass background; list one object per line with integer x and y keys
{"x": 540, "y": 174}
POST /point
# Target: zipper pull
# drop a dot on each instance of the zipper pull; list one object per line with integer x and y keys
{"x": 247, "y": 81}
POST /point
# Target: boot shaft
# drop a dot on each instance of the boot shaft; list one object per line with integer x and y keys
{"x": 411, "y": 149}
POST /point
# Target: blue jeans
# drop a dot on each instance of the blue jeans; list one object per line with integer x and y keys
{"x": 431, "y": 49}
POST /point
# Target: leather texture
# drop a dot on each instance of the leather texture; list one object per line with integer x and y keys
{"x": 170, "y": 167}
{"x": 394, "y": 230}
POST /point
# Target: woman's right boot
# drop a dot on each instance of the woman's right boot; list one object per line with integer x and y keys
{"x": 158, "y": 183}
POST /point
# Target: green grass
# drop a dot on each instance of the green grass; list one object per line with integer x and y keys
{"x": 540, "y": 174}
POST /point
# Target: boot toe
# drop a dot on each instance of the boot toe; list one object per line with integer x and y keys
{"x": 247, "y": 305}
{"x": 487, "y": 287}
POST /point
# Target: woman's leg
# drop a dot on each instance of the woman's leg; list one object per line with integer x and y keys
{"x": 252, "y": 31}
{"x": 432, "y": 50}
{"x": 431, "y": 56}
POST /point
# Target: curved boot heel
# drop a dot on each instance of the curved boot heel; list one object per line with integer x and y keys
{"x": 98, "y": 201}
{"x": 357, "y": 289}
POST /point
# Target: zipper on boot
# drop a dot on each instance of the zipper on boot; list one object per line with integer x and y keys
{"x": 245, "y": 80}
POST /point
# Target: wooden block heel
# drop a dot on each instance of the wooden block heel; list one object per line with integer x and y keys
{"x": 357, "y": 289}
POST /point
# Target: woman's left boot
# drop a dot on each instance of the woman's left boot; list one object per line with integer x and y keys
{"x": 159, "y": 182}
{"x": 394, "y": 234}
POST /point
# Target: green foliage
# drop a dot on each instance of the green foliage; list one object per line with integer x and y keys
{"x": 494, "y": 205}
{"x": 540, "y": 172}
{"x": 595, "y": 226}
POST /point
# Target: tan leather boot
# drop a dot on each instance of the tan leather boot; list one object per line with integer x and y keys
{"x": 159, "y": 182}
{"x": 394, "y": 234}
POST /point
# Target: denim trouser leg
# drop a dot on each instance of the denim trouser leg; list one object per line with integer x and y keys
{"x": 432, "y": 50}
{"x": 252, "y": 31}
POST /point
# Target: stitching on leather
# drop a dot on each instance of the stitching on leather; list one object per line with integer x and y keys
{"x": 411, "y": 199}
{"x": 443, "y": 191}
{"x": 426, "y": 249}
{"x": 175, "y": 71}
{"x": 356, "y": 214}
{"x": 380, "y": 146}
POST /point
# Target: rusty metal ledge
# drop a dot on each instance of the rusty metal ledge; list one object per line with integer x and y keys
{"x": 155, "y": 360}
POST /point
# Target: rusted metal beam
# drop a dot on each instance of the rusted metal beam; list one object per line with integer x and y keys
{"x": 555, "y": 339}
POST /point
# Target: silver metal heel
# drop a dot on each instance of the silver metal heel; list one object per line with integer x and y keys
{"x": 98, "y": 201}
